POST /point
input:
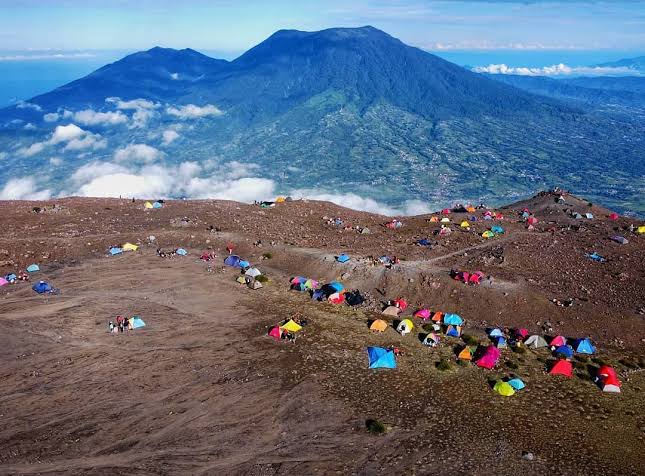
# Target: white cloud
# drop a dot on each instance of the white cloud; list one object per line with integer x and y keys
{"x": 190, "y": 111}
{"x": 89, "y": 141}
{"x": 132, "y": 104}
{"x": 3, "y": 155}
{"x": 66, "y": 133}
{"x": 174, "y": 76}
{"x": 52, "y": 56}
{"x": 66, "y": 114}
{"x": 55, "y": 161}
{"x": 93, "y": 170}
{"x": 28, "y": 105}
{"x": 555, "y": 70}
{"x": 356, "y": 202}
{"x": 32, "y": 150}
{"x": 89, "y": 117}
{"x": 137, "y": 152}
{"x": 51, "y": 117}
{"x": 29, "y": 127}
{"x": 23, "y": 189}
{"x": 169, "y": 135}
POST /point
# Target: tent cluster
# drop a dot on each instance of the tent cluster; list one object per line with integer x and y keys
{"x": 13, "y": 278}
{"x": 118, "y": 249}
{"x": 394, "y": 224}
{"x": 171, "y": 254}
{"x": 287, "y": 329}
{"x": 123, "y": 324}
{"x": 466, "y": 277}
{"x": 333, "y": 292}
{"x": 493, "y": 232}
{"x": 509, "y": 386}
{"x": 153, "y": 205}
{"x": 251, "y": 276}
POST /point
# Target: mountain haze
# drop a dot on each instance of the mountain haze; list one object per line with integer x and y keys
{"x": 329, "y": 113}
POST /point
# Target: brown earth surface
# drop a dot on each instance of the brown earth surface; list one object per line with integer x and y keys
{"x": 202, "y": 389}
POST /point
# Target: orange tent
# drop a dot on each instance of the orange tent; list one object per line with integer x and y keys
{"x": 437, "y": 316}
{"x": 465, "y": 354}
{"x": 378, "y": 325}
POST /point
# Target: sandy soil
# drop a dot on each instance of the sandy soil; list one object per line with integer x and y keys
{"x": 202, "y": 390}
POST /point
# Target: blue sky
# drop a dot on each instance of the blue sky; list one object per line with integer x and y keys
{"x": 233, "y": 26}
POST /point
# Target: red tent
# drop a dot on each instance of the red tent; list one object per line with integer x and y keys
{"x": 607, "y": 376}
{"x": 532, "y": 220}
{"x": 445, "y": 211}
{"x": 562, "y": 367}
{"x": 275, "y": 332}
{"x": 521, "y": 333}
{"x": 489, "y": 359}
{"x": 613, "y": 216}
{"x": 337, "y": 298}
{"x": 401, "y": 303}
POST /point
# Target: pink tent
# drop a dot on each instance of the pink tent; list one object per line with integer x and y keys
{"x": 532, "y": 220}
{"x": 557, "y": 341}
{"x": 275, "y": 332}
{"x": 3, "y": 282}
{"x": 423, "y": 314}
{"x": 489, "y": 359}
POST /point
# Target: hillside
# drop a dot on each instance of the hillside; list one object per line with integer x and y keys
{"x": 202, "y": 388}
{"x": 344, "y": 111}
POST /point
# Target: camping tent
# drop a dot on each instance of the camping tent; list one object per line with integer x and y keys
{"x": 354, "y": 298}
{"x": 291, "y": 326}
{"x": 181, "y": 252}
{"x": 520, "y": 333}
{"x": 453, "y": 331}
{"x": 342, "y": 258}
{"x": 495, "y": 333}
{"x": 136, "y": 322}
{"x": 147, "y": 205}
{"x": 378, "y": 325}
{"x": 11, "y": 277}
{"x": 453, "y": 320}
{"x": 640, "y": 230}
{"x": 431, "y": 340}
{"x": 532, "y": 220}
{"x": 280, "y": 200}
{"x": 620, "y": 239}
{"x": 405, "y": 327}
{"x": 336, "y": 298}
{"x": 488, "y": 234}
{"x": 501, "y": 343}
{"x": 613, "y": 216}
{"x": 129, "y": 247}
{"x": 536, "y": 342}
{"x": 254, "y": 272}
{"x": 423, "y": 314}
{"x": 42, "y": 287}
{"x": 497, "y": 229}
{"x": 516, "y": 383}
{"x": 504, "y": 388}
{"x": 562, "y": 367}
{"x": 381, "y": 358}
{"x": 465, "y": 354}
{"x": 233, "y": 261}
{"x": 157, "y": 205}
{"x": 391, "y": 311}
{"x": 437, "y": 316}
{"x": 608, "y": 380}
{"x": 465, "y": 224}
{"x": 434, "y": 219}
{"x": 557, "y": 341}
{"x": 116, "y": 251}
{"x": 3, "y": 282}
{"x": 311, "y": 284}
{"x": 489, "y": 357}
{"x": 32, "y": 268}
{"x": 253, "y": 283}
{"x": 564, "y": 350}
{"x": 275, "y": 332}
{"x": 589, "y": 216}
{"x": 584, "y": 346}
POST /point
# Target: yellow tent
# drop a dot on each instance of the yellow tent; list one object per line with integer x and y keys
{"x": 445, "y": 220}
{"x": 408, "y": 323}
{"x": 488, "y": 234}
{"x": 504, "y": 388}
{"x": 241, "y": 280}
{"x": 147, "y": 205}
{"x": 434, "y": 220}
{"x": 465, "y": 354}
{"x": 291, "y": 326}
{"x": 280, "y": 200}
{"x": 130, "y": 247}
{"x": 465, "y": 224}
{"x": 640, "y": 230}
{"x": 378, "y": 325}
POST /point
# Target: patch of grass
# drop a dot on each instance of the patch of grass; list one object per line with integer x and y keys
{"x": 518, "y": 349}
{"x": 582, "y": 358}
{"x": 541, "y": 359}
{"x": 262, "y": 278}
{"x": 511, "y": 365}
{"x": 427, "y": 328}
{"x": 583, "y": 376}
{"x": 630, "y": 364}
{"x": 599, "y": 361}
{"x": 267, "y": 256}
{"x": 375, "y": 427}
{"x": 443, "y": 365}
{"x": 470, "y": 340}
{"x": 580, "y": 365}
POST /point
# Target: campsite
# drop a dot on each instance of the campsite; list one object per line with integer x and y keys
{"x": 208, "y": 386}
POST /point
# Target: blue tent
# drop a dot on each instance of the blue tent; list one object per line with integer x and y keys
{"x": 496, "y": 333}
{"x": 497, "y": 229}
{"x": 596, "y": 257}
{"x": 232, "y": 260}
{"x": 116, "y": 251}
{"x": 584, "y": 346}
{"x": 473, "y": 218}
{"x": 11, "y": 277}
{"x": 516, "y": 383}
{"x": 157, "y": 205}
{"x": 452, "y": 320}
{"x": 452, "y": 331}
{"x": 564, "y": 350}
{"x": 137, "y": 322}
{"x": 299, "y": 287}
{"x": 342, "y": 258}
{"x": 525, "y": 214}
{"x": 337, "y": 286}
{"x": 500, "y": 343}
{"x": 181, "y": 252}
{"x": 32, "y": 268}
{"x": 41, "y": 287}
{"x": 381, "y": 358}
{"x": 423, "y": 242}
{"x": 318, "y": 295}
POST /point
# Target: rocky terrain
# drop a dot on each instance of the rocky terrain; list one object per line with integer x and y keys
{"x": 203, "y": 390}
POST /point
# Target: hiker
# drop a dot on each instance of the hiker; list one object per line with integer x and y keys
{"x": 229, "y": 248}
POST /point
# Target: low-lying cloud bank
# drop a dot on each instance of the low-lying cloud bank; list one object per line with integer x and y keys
{"x": 556, "y": 70}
